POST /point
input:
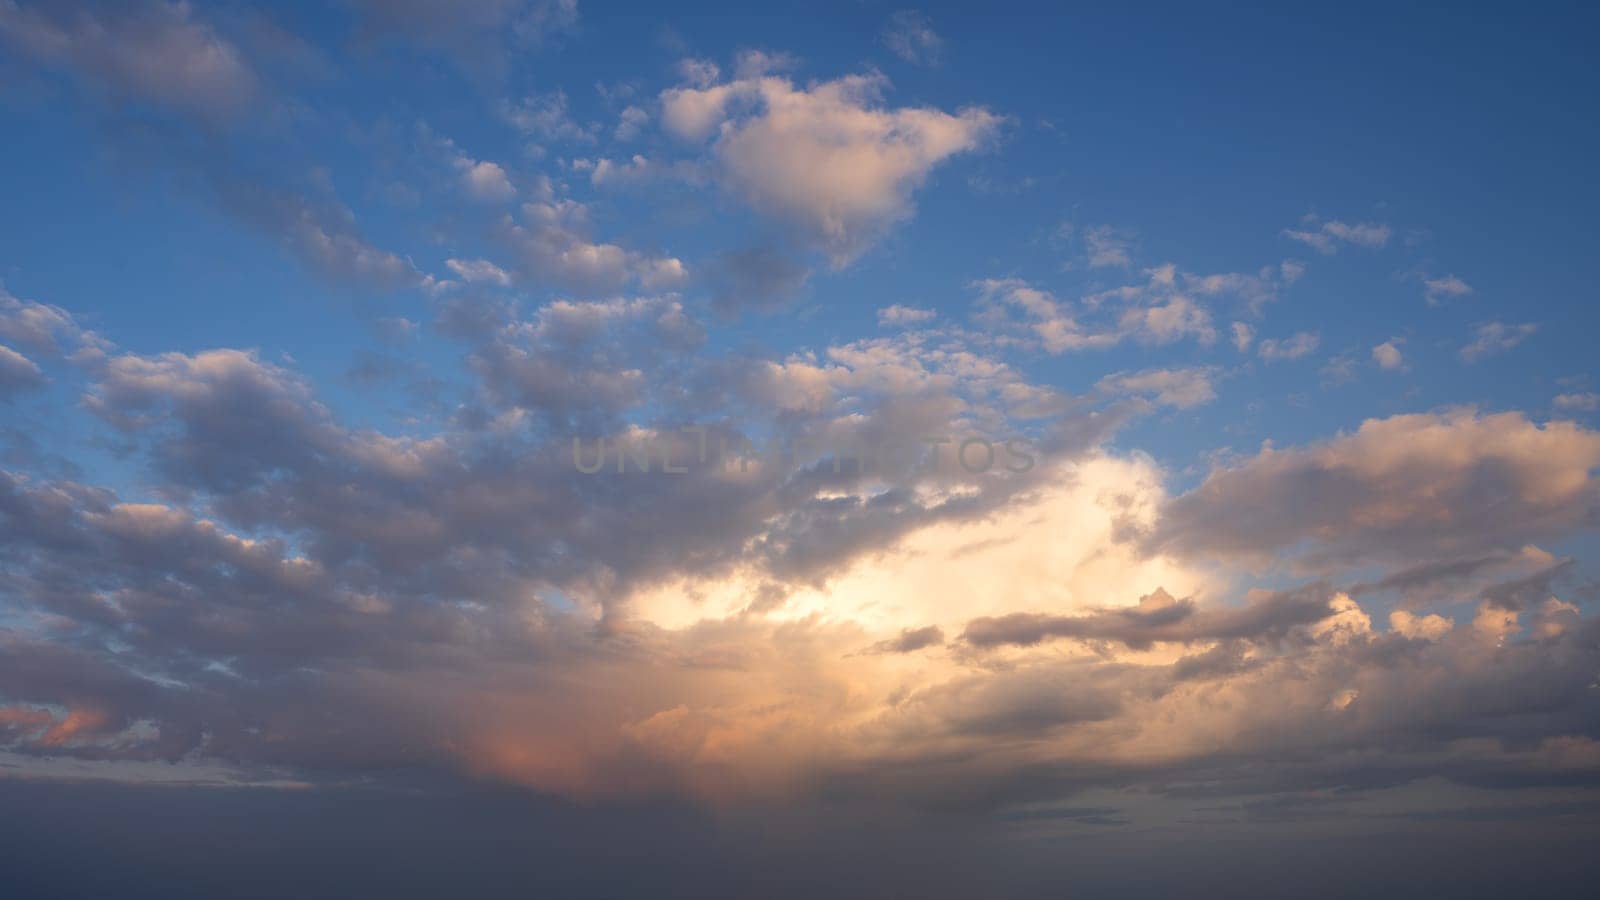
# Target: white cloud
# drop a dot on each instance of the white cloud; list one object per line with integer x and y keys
{"x": 554, "y": 245}
{"x": 1326, "y": 237}
{"x": 485, "y": 181}
{"x": 1387, "y": 355}
{"x": 544, "y": 117}
{"x": 1243, "y": 334}
{"x": 1179, "y": 388}
{"x": 1492, "y": 338}
{"x": 1295, "y": 346}
{"x": 630, "y": 123}
{"x": 903, "y": 315}
{"x": 1107, "y": 247}
{"x": 638, "y": 169}
{"x": 828, "y": 160}
{"x": 1437, "y": 290}
{"x": 1155, "y": 312}
{"x": 701, "y": 73}
{"x": 1338, "y": 370}
{"x": 479, "y": 270}
{"x": 1424, "y": 627}
{"x": 1584, "y": 402}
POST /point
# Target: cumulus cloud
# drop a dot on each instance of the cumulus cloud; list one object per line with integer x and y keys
{"x": 829, "y": 161}
{"x": 731, "y": 634}
{"x": 46, "y": 331}
{"x": 1494, "y": 338}
{"x": 1421, "y": 485}
{"x": 1387, "y": 355}
{"x": 485, "y": 180}
{"x": 553, "y": 244}
{"x": 630, "y": 123}
{"x": 239, "y": 581}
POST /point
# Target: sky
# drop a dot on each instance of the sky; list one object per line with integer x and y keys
{"x": 785, "y": 448}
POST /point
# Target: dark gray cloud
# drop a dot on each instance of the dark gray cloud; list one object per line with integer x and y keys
{"x": 17, "y": 372}
{"x": 911, "y": 640}
{"x": 1160, "y": 618}
{"x": 756, "y": 278}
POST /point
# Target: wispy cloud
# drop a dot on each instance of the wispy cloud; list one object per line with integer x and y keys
{"x": 1494, "y": 338}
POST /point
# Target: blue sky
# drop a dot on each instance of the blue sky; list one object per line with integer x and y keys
{"x": 301, "y": 305}
{"x": 1201, "y": 137}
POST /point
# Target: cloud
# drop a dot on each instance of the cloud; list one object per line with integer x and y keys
{"x": 910, "y": 640}
{"x": 485, "y": 181}
{"x": 1243, "y": 334}
{"x": 1178, "y": 388}
{"x": 1158, "y": 311}
{"x": 640, "y": 169}
{"x": 1387, "y": 355}
{"x": 1160, "y": 618}
{"x": 46, "y": 331}
{"x": 1106, "y": 247}
{"x": 1297, "y": 345}
{"x": 1438, "y": 290}
{"x": 759, "y": 278}
{"x": 150, "y": 52}
{"x": 317, "y": 229}
{"x": 1586, "y": 401}
{"x": 1425, "y": 627}
{"x": 630, "y": 123}
{"x": 909, "y": 35}
{"x": 1419, "y": 485}
{"x": 553, "y": 244}
{"x": 545, "y": 118}
{"x": 233, "y": 581}
{"x": 898, "y": 315}
{"x": 17, "y": 372}
{"x": 1508, "y": 578}
{"x": 480, "y": 34}
{"x": 828, "y": 161}
{"x": 1326, "y": 237}
{"x": 479, "y": 270}
{"x": 1494, "y": 338}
